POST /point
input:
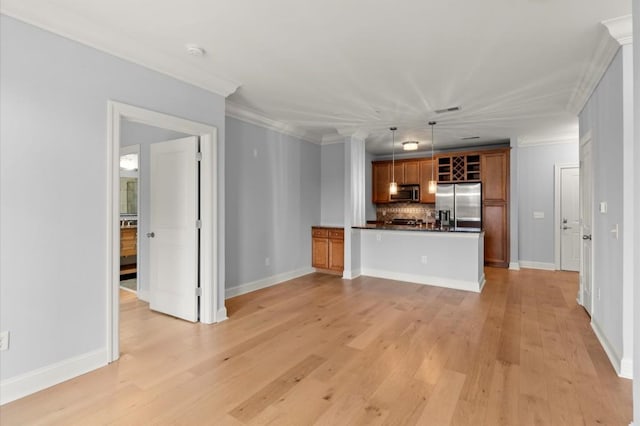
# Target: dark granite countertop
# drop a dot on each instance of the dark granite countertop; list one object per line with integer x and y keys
{"x": 418, "y": 228}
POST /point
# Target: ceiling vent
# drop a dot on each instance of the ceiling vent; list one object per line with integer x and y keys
{"x": 450, "y": 109}
{"x": 470, "y": 138}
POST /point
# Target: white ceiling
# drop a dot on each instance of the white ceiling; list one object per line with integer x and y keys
{"x": 323, "y": 67}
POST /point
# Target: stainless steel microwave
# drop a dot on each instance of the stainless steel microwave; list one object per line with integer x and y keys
{"x": 407, "y": 194}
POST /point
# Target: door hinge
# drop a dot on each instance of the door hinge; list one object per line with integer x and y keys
{"x": 198, "y": 291}
{"x": 198, "y": 156}
{"x": 198, "y": 224}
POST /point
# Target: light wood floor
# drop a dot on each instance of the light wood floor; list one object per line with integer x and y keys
{"x": 321, "y": 350}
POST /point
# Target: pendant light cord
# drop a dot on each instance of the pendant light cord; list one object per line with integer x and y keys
{"x": 393, "y": 153}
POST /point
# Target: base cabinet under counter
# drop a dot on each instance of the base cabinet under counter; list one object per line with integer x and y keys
{"x": 327, "y": 249}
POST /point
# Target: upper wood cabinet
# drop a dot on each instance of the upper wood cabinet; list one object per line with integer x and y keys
{"x": 426, "y": 172}
{"x": 459, "y": 167}
{"x": 381, "y": 177}
{"x": 411, "y": 172}
{"x": 406, "y": 172}
{"x": 495, "y": 173}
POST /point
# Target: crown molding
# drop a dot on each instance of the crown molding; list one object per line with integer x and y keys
{"x": 333, "y": 138}
{"x": 618, "y": 32}
{"x": 621, "y": 29}
{"x": 90, "y": 36}
{"x": 529, "y": 142}
{"x": 253, "y": 117}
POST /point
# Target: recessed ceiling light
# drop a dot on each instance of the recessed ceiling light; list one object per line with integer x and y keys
{"x": 194, "y": 50}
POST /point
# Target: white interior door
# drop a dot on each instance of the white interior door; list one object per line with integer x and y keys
{"x": 173, "y": 228}
{"x": 586, "y": 213}
{"x": 570, "y": 219}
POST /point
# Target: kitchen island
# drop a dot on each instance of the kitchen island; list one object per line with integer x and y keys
{"x": 451, "y": 258}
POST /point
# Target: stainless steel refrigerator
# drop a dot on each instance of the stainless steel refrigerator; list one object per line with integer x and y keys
{"x": 463, "y": 201}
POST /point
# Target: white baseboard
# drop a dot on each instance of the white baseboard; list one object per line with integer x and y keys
{"x": 266, "y": 282}
{"x": 221, "y": 315}
{"x": 547, "y": 266}
{"x": 611, "y": 353}
{"x": 626, "y": 368}
{"x": 475, "y": 286}
{"x": 50, "y": 375}
{"x": 351, "y": 275}
{"x": 514, "y": 266}
{"x": 143, "y": 295}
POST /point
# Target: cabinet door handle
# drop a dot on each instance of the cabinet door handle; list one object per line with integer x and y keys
{"x": 151, "y": 234}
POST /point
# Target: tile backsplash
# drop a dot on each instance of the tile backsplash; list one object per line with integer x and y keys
{"x": 387, "y": 212}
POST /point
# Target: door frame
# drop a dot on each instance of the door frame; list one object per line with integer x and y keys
{"x": 586, "y": 138}
{"x": 209, "y": 232}
{"x": 557, "y": 207}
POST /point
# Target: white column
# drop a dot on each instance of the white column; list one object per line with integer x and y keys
{"x": 354, "y": 201}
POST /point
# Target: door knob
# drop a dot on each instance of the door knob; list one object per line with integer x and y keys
{"x": 586, "y": 237}
{"x": 566, "y": 227}
{"x": 151, "y": 234}
{"x": 564, "y": 220}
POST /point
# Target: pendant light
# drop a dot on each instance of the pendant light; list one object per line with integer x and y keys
{"x": 433, "y": 185}
{"x": 393, "y": 187}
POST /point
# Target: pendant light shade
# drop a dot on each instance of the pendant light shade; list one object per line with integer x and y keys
{"x": 393, "y": 186}
{"x": 433, "y": 184}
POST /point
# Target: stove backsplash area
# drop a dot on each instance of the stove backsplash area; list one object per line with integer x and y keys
{"x": 388, "y": 212}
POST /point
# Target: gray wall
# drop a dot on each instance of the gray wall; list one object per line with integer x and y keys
{"x": 603, "y": 116}
{"x": 273, "y": 199}
{"x": 143, "y": 135}
{"x": 332, "y": 178}
{"x": 535, "y": 180}
{"x": 53, "y": 186}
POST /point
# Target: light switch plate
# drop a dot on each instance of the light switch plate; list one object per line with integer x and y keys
{"x": 603, "y": 206}
{"x": 538, "y": 215}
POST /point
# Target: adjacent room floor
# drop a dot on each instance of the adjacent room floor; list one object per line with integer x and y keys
{"x": 369, "y": 351}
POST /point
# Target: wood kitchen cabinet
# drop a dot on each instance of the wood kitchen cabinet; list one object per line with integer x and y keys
{"x": 381, "y": 178}
{"x": 496, "y": 241}
{"x": 458, "y": 167}
{"x": 406, "y": 172}
{"x": 495, "y": 206}
{"x": 426, "y": 172}
{"x": 327, "y": 249}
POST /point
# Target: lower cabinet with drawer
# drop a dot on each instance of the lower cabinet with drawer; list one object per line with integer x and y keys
{"x": 327, "y": 249}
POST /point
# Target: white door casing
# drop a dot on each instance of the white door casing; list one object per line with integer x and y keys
{"x": 173, "y": 236}
{"x": 586, "y": 221}
{"x": 570, "y": 219}
{"x": 212, "y": 307}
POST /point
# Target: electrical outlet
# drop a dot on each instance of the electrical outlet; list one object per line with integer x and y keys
{"x": 423, "y": 259}
{"x": 598, "y": 293}
{"x": 267, "y": 261}
{"x": 4, "y": 341}
{"x": 378, "y": 237}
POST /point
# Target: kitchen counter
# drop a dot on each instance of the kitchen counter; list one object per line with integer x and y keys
{"x": 386, "y": 227}
{"x": 451, "y": 259}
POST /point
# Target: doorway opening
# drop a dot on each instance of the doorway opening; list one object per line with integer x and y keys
{"x": 129, "y": 202}
{"x": 210, "y": 304}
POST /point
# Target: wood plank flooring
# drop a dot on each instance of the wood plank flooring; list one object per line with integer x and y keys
{"x": 320, "y": 350}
